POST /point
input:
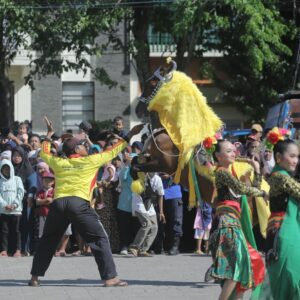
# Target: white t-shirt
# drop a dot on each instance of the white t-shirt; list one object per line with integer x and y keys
{"x": 137, "y": 201}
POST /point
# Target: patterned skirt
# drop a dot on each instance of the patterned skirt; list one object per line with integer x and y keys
{"x": 108, "y": 218}
{"x": 230, "y": 252}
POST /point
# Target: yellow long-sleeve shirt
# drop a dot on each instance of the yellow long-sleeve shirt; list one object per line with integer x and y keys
{"x": 77, "y": 176}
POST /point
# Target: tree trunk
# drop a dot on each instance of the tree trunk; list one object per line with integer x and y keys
{"x": 6, "y": 107}
{"x": 6, "y": 103}
{"x": 185, "y": 44}
{"x": 140, "y": 30}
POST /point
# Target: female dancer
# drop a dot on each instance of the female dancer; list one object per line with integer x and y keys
{"x": 283, "y": 233}
{"x": 233, "y": 264}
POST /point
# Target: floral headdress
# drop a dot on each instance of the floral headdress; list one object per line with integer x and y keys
{"x": 276, "y": 135}
{"x": 209, "y": 144}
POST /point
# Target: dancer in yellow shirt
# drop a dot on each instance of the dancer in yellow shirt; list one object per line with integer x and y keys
{"x": 75, "y": 178}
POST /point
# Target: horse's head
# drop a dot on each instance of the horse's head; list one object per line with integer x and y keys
{"x": 152, "y": 85}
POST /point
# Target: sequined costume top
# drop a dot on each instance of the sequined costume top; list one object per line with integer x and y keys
{"x": 281, "y": 187}
{"x": 230, "y": 188}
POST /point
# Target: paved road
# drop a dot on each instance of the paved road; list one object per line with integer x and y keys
{"x": 161, "y": 277}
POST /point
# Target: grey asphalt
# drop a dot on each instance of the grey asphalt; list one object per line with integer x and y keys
{"x": 160, "y": 277}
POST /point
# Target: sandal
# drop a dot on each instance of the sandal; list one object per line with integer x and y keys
{"x": 3, "y": 253}
{"x": 77, "y": 253}
{"x": 118, "y": 283}
{"x": 34, "y": 283}
{"x": 17, "y": 254}
{"x": 60, "y": 253}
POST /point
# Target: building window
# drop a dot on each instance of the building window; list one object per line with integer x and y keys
{"x": 77, "y": 103}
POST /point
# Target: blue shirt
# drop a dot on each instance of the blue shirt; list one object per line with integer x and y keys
{"x": 172, "y": 190}
{"x": 125, "y": 197}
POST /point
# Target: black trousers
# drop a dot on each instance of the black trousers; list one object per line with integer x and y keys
{"x": 173, "y": 210}
{"x": 10, "y": 231}
{"x": 77, "y": 211}
{"x": 27, "y": 228}
{"x": 128, "y": 227}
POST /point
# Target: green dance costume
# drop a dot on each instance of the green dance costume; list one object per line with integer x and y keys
{"x": 283, "y": 239}
{"x": 232, "y": 243}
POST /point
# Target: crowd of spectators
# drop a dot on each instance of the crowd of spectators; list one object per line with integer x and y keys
{"x": 27, "y": 188}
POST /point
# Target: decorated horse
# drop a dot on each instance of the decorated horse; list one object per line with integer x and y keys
{"x": 179, "y": 120}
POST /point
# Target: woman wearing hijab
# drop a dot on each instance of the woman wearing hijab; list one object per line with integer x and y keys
{"x": 268, "y": 162}
{"x": 24, "y": 170}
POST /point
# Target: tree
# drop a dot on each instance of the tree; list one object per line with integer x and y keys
{"x": 256, "y": 40}
{"x": 48, "y": 28}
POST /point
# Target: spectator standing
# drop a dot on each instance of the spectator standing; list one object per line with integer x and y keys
{"x": 256, "y": 132}
{"x": 268, "y": 162}
{"x": 44, "y": 198}
{"x": 24, "y": 170}
{"x": 146, "y": 215}
{"x": 84, "y": 128}
{"x": 202, "y": 226}
{"x": 35, "y": 142}
{"x": 11, "y": 195}
{"x": 173, "y": 210}
{"x": 23, "y": 133}
{"x": 118, "y": 126}
{"x": 124, "y": 208}
{"x": 108, "y": 204}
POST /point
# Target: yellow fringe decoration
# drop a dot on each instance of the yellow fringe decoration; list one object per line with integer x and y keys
{"x": 183, "y": 111}
{"x": 263, "y": 210}
{"x": 138, "y": 186}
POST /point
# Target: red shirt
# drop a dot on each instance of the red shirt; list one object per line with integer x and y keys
{"x": 44, "y": 209}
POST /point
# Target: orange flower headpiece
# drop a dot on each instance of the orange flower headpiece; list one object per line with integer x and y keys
{"x": 209, "y": 144}
{"x": 276, "y": 135}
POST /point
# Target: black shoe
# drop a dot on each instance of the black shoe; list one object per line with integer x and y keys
{"x": 175, "y": 246}
{"x": 174, "y": 251}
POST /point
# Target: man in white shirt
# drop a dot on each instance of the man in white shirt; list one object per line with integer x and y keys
{"x": 147, "y": 217}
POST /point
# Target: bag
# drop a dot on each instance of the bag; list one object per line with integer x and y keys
{"x": 149, "y": 196}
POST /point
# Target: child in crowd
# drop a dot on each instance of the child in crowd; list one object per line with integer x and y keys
{"x": 118, "y": 126}
{"x": 44, "y": 198}
{"x": 11, "y": 195}
{"x": 202, "y": 226}
{"x": 23, "y": 133}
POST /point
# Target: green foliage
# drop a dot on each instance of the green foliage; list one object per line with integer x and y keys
{"x": 257, "y": 43}
{"x": 49, "y": 30}
{"x": 206, "y": 70}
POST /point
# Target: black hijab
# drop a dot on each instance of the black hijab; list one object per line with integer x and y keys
{"x": 24, "y": 169}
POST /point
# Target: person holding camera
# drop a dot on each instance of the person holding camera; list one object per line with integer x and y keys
{"x": 142, "y": 207}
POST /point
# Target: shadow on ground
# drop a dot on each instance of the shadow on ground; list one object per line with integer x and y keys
{"x": 96, "y": 283}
